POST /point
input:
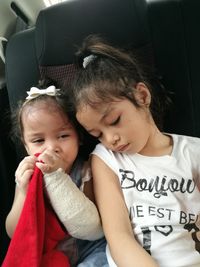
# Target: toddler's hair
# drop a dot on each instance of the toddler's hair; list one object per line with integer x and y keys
{"x": 106, "y": 72}
{"x": 59, "y": 101}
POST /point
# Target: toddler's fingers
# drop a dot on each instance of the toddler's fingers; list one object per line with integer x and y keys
{"x": 22, "y": 181}
{"x": 51, "y": 161}
{"x": 26, "y": 163}
{"x": 43, "y": 167}
{"x": 27, "y": 160}
{"x": 46, "y": 158}
{"x": 23, "y": 168}
{"x": 24, "y": 171}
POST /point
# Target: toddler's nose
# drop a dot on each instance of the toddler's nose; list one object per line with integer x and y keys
{"x": 53, "y": 146}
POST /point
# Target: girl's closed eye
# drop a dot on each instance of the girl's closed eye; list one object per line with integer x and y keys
{"x": 116, "y": 121}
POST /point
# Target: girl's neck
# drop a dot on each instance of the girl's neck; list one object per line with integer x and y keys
{"x": 158, "y": 144}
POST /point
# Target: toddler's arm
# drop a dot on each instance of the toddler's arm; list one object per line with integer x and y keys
{"x": 77, "y": 212}
{"x": 22, "y": 176}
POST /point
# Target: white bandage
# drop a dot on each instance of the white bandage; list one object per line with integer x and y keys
{"x": 78, "y": 214}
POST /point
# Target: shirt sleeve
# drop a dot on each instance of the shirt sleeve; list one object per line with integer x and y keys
{"x": 107, "y": 156}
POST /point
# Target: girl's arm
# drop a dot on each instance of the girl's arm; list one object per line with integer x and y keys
{"x": 14, "y": 214}
{"x": 23, "y": 175}
{"x": 125, "y": 250}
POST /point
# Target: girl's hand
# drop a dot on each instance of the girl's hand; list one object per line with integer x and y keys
{"x": 50, "y": 161}
{"x": 24, "y": 171}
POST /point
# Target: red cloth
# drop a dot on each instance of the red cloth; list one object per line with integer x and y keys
{"x": 37, "y": 233}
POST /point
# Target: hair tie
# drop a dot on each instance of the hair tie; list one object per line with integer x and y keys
{"x": 88, "y": 59}
{"x": 35, "y": 92}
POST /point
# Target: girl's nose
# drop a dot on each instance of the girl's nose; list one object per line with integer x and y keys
{"x": 115, "y": 139}
{"x": 53, "y": 146}
{"x": 111, "y": 138}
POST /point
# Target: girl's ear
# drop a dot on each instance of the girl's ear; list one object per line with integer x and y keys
{"x": 142, "y": 94}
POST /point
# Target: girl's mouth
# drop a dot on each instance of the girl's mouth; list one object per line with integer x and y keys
{"x": 122, "y": 148}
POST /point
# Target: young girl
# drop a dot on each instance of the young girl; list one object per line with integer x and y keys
{"x": 45, "y": 128}
{"x": 146, "y": 182}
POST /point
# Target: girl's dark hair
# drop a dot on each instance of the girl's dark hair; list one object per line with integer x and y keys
{"x": 113, "y": 73}
{"x": 59, "y": 100}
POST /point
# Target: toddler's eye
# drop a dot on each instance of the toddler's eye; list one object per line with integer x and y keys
{"x": 115, "y": 122}
{"x": 64, "y": 136}
{"x": 38, "y": 140}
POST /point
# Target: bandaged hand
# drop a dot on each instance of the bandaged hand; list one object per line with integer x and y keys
{"x": 50, "y": 161}
{"x": 78, "y": 214}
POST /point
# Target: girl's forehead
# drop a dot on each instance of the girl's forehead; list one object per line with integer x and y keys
{"x": 100, "y": 106}
{"x": 48, "y": 106}
{"x": 89, "y": 114}
{"x": 37, "y": 111}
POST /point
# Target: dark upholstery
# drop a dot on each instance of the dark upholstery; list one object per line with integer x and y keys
{"x": 7, "y": 163}
{"x": 191, "y": 21}
{"x": 22, "y": 70}
{"x": 61, "y": 28}
{"x": 175, "y": 34}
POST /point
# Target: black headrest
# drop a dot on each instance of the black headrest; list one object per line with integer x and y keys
{"x": 61, "y": 28}
{"x": 21, "y": 65}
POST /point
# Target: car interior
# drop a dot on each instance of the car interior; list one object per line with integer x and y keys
{"x": 163, "y": 33}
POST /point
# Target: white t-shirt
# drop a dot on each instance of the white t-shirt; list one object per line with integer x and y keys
{"x": 163, "y": 199}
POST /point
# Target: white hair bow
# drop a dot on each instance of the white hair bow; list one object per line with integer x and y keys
{"x": 35, "y": 92}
